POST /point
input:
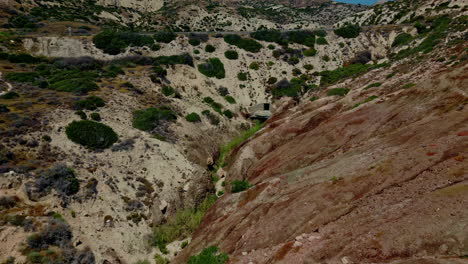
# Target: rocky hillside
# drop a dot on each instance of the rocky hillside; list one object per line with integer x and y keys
{"x": 119, "y": 146}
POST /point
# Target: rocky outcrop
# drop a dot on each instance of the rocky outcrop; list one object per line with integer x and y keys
{"x": 380, "y": 182}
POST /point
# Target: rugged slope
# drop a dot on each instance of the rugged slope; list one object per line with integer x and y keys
{"x": 385, "y": 181}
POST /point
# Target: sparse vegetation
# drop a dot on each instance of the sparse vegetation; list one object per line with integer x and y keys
{"x": 310, "y": 52}
{"x": 181, "y": 225}
{"x": 370, "y": 98}
{"x": 254, "y": 66}
{"x": 372, "y": 85}
{"x": 209, "y": 255}
{"x": 337, "y": 91}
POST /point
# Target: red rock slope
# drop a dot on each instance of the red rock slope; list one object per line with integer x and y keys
{"x": 383, "y": 182}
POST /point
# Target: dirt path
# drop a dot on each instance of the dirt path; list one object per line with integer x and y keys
{"x": 9, "y": 86}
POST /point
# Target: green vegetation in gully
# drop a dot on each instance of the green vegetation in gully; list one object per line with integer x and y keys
{"x": 180, "y": 225}
{"x": 209, "y": 255}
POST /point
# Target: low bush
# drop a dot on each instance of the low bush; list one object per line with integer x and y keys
{"x": 165, "y": 37}
{"x": 55, "y": 233}
{"x": 90, "y": 103}
{"x": 113, "y": 71}
{"x": 321, "y": 41}
{"x": 272, "y": 80}
{"x": 78, "y": 86}
{"x": 9, "y": 95}
{"x": 81, "y": 114}
{"x": 4, "y": 109}
{"x": 330, "y": 77}
{"x": 247, "y": 44}
{"x": 377, "y": 84}
{"x": 150, "y": 118}
{"x": 231, "y": 55}
{"x": 239, "y": 186}
{"x": 348, "y": 31}
{"x": 21, "y": 77}
{"x": 59, "y": 177}
{"x": 115, "y": 42}
{"x": 337, "y": 91}
{"x": 20, "y": 58}
{"x": 242, "y": 76}
{"x": 370, "y": 98}
{"x": 254, "y": 66}
{"x": 215, "y": 105}
{"x": 310, "y": 52}
{"x": 227, "y": 113}
{"x": 91, "y": 134}
{"x": 402, "y": 39}
{"x": 408, "y": 85}
{"x": 286, "y": 88}
{"x": 210, "y": 48}
{"x": 95, "y": 116}
{"x": 183, "y": 58}
{"x": 193, "y": 118}
{"x": 209, "y": 255}
{"x": 167, "y": 90}
{"x": 213, "y": 67}
{"x": 194, "y": 41}
{"x": 230, "y": 99}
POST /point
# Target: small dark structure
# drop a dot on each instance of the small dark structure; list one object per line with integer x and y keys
{"x": 260, "y": 111}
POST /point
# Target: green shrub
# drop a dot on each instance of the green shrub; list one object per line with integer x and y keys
{"x": 227, "y": 113}
{"x": 193, "y": 118}
{"x": 348, "y": 31}
{"x": 165, "y": 37}
{"x": 239, "y": 186}
{"x": 210, "y": 48}
{"x": 35, "y": 257}
{"x": 377, "y": 84}
{"x": 142, "y": 262}
{"x": 310, "y": 52}
{"x": 370, "y": 98}
{"x": 209, "y": 255}
{"x": 196, "y": 52}
{"x": 22, "y": 21}
{"x": 20, "y": 58}
{"x": 309, "y": 67}
{"x": 167, "y": 90}
{"x": 272, "y": 80}
{"x": 150, "y": 118}
{"x": 21, "y": 77}
{"x": 271, "y": 47}
{"x": 408, "y": 85}
{"x": 337, "y": 91}
{"x": 247, "y": 44}
{"x": 81, "y": 114}
{"x": 321, "y": 41}
{"x": 326, "y": 58}
{"x": 213, "y": 67}
{"x": 184, "y": 58}
{"x": 215, "y": 105}
{"x": 79, "y": 86}
{"x": 286, "y": 88}
{"x": 115, "y": 42}
{"x": 242, "y": 76}
{"x": 269, "y": 36}
{"x": 231, "y": 55}
{"x": 91, "y": 134}
{"x": 230, "y": 99}
{"x": 184, "y": 244}
{"x": 113, "y": 71}
{"x": 95, "y": 116}
{"x": 402, "y": 39}
{"x": 160, "y": 259}
{"x": 254, "y": 66}
{"x": 90, "y": 103}
{"x": 9, "y": 95}
{"x": 194, "y": 41}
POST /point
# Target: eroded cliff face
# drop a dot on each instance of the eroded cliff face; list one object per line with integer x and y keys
{"x": 336, "y": 182}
